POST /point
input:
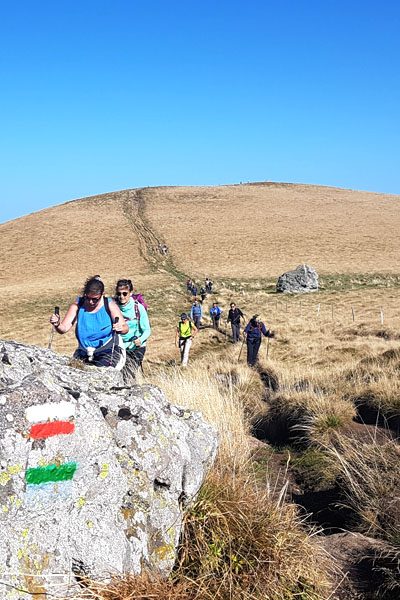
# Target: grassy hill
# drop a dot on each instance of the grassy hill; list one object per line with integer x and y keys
{"x": 239, "y": 235}
{"x": 324, "y": 398}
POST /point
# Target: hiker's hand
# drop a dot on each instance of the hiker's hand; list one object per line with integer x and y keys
{"x": 55, "y": 320}
{"x": 118, "y": 326}
{"x": 137, "y": 343}
{"x": 271, "y": 334}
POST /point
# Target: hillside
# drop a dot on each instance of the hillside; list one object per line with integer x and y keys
{"x": 237, "y": 232}
{"x": 323, "y": 400}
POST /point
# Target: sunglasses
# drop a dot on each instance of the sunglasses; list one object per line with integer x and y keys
{"x": 124, "y": 294}
{"x": 92, "y": 300}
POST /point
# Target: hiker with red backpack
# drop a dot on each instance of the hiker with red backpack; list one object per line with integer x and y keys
{"x": 253, "y": 331}
{"x": 135, "y": 314}
{"x": 99, "y": 326}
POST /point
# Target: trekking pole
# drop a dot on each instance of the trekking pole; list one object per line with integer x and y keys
{"x": 241, "y": 348}
{"x": 225, "y": 330}
{"x": 56, "y": 312}
{"x": 113, "y": 344}
{"x": 267, "y": 346}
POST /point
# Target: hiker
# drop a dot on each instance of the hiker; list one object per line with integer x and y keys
{"x": 194, "y": 290}
{"x": 234, "y": 316}
{"x": 189, "y": 285}
{"x": 215, "y": 314}
{"x": 253, "y": 330}
{"x": 203, "y": 294}
{"x": 99, "y": 325}
{"x": 137, "y": 319}
{"x": 196, "y": 313}
{"x": 208, "y": 284}
{"x": 185, "y": 333}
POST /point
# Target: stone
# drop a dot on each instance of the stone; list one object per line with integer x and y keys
{"x": 363, "y": 565}
{"x": 94, "y": 475}
{"x": 301, "y": 280}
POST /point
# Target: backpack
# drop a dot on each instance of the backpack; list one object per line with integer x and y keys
{"x": 139, "y": 298}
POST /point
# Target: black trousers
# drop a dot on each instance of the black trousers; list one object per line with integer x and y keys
{"x": 135, "y": 357}
{"x": 253, "y": 346}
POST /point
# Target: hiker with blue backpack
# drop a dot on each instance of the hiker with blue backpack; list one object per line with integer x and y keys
{"x": 215, "y": 314}
{"x": 135, "y": 315}
{"x": 196, "y": 313}
{"x": 99, "y": 325}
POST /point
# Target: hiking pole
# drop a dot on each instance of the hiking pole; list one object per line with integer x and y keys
{"x": 113, "y": 344}
{"x": 56, "y": 312}
{"x": 241, "y": 348}
{"x": 267, "y": 346}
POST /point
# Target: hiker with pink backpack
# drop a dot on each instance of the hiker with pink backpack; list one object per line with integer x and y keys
{"x": 133, "y": 308}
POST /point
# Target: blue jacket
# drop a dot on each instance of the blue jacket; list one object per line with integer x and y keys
{"x": 215, "y": 312}
{"x": 196, "y": 311}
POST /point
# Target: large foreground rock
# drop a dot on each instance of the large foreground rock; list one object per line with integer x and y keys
{"x": 94, "y": 476}
{"x": 302, "y": 280}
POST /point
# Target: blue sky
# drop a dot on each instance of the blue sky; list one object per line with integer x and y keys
{"x": 103, "y": 95}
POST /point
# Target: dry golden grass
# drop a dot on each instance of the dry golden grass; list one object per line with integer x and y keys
{"x": 47, "y": 256}
{"x": 331, "y": 348}
{"x": 261, "y": 230}
{"x": 240, "y": 540}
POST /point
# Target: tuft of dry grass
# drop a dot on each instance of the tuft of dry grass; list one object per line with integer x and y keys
{"x": 241, "y": 543}
{"x": 371, "y": 475}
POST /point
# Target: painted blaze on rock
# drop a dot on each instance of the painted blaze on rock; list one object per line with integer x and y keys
{"x": 92, "y": 477}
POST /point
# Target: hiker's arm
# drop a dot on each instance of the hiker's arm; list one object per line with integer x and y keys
{"x": 144, "y": 326}
{"x": 267, "y": 332}
{"x": 121, "y": 326}
{"x": 64, "y": 325}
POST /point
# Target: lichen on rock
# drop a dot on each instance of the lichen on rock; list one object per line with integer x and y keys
{"x": 93, "y": 475}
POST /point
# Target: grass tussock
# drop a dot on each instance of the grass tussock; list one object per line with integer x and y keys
{"x": 239, "y": 543}
{"x": 241, "y": 540}
{"x": 371, "y": 474}
{"x": 144, "y": 587}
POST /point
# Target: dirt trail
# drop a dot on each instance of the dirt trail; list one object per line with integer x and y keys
{"x": 152, "y": 247}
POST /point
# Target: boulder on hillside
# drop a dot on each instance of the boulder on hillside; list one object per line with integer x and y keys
{"x": 94, "y": 475}
{"x": 301, "y": 280}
